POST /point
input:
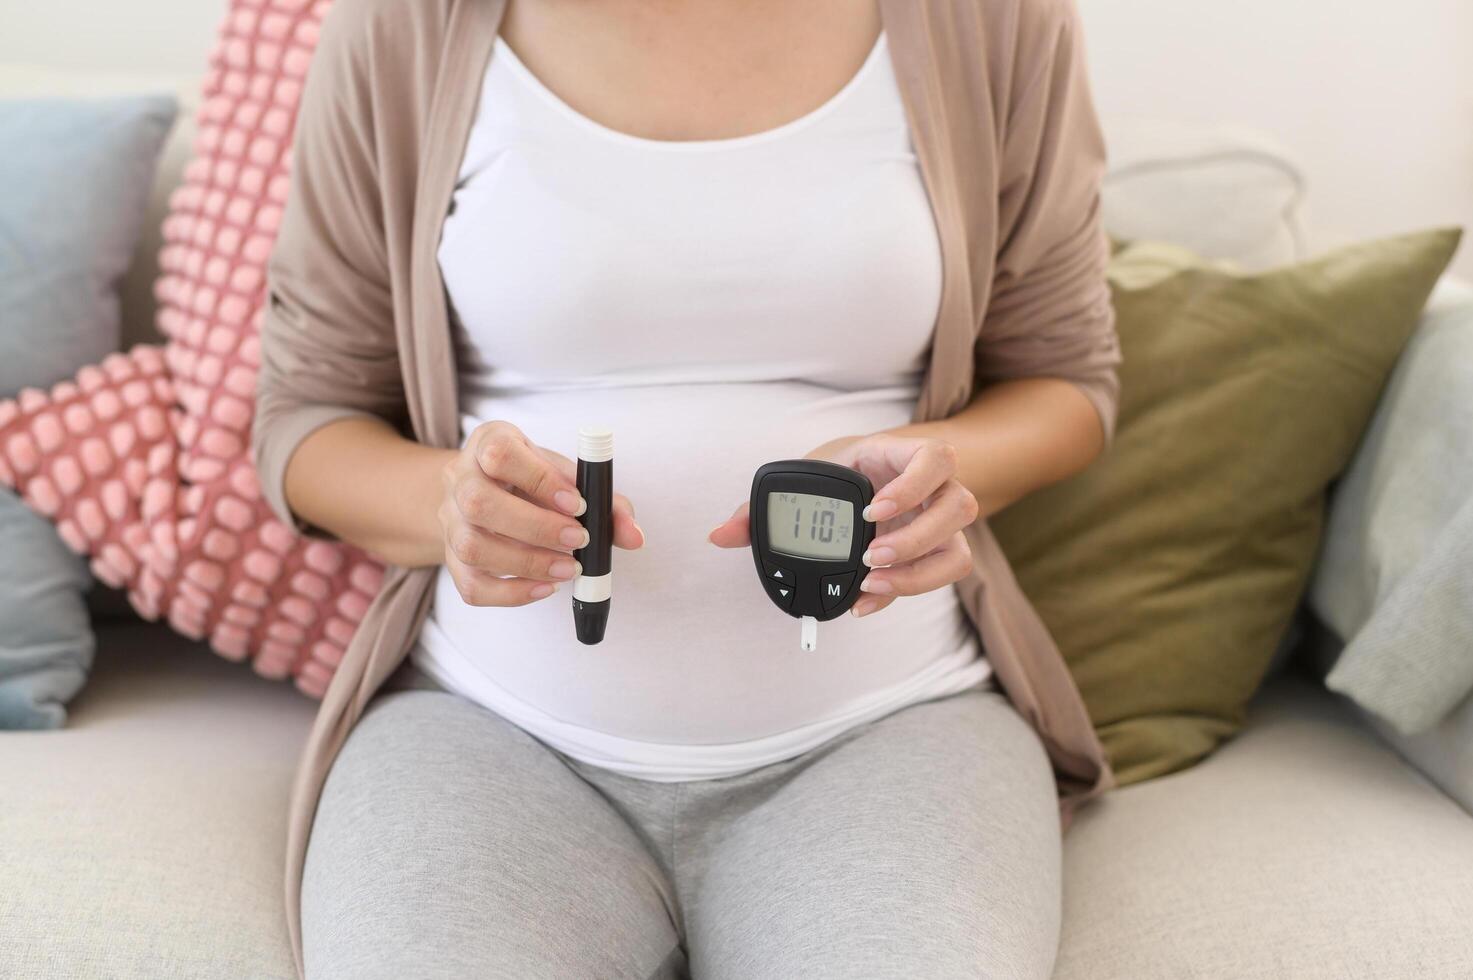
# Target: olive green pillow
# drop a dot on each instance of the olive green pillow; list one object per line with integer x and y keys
{"x": 1169, "y": 570}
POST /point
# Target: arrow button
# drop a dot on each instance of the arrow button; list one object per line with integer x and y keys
{"x": 781, "y": 593}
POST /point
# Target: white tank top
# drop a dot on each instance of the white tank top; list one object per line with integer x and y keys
{"x": 718, "y": 304}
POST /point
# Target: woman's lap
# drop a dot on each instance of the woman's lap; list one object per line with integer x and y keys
{"x": 925, "y": 844}
{"x": 450, "y": 843}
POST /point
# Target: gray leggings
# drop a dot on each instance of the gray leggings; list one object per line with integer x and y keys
{"x": 450, "y": 843}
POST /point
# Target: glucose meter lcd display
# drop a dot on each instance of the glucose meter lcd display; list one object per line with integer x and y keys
{"x": 810, "y": 526}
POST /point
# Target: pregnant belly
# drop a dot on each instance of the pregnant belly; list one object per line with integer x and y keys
{"x": 695, "y": 653}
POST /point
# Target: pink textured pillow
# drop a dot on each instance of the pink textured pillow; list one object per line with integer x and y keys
{"x": 144, "y": 461}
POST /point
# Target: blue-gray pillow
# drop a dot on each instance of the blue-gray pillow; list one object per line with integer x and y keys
{"x": 75, "y": 178}
{"x": 45, "y": 632}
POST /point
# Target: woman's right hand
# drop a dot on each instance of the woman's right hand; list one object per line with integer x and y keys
{"x": 509, "y": 518}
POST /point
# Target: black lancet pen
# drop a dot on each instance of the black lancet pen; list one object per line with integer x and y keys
{"x": 593, "y": 587}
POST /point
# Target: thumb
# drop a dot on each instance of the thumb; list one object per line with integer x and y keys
{"x": 734, "y": 532}
{"x": 627, "y": 532}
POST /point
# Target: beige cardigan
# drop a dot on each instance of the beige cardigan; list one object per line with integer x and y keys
{"x": 357, "y": 320}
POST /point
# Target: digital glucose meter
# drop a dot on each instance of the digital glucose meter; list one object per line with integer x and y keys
{"x": 808, "y": 535}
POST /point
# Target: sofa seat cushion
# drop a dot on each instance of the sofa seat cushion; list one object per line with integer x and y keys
{"x": 146, "y": 839}
{"x": 1305, "y": 848}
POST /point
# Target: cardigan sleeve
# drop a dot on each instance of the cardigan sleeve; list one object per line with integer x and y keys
{"x": 1050, "y": 313}
{"x": 328, "y": 346}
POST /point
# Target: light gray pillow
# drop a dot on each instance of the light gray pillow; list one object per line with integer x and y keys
{"x": 74, "y": 182}
{"x": 1444, "y": 752}
{"x": 1395, "y": 578}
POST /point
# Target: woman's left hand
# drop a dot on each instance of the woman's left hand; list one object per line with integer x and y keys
{"x": 919, "y": 509}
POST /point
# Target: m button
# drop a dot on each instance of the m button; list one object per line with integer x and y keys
{"x": 835, "y": 589}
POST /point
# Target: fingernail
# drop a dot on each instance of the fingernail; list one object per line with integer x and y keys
{"x": 570, "y": 502}
{"x": 879, "y": 556}
{"x": 574, "y": 537}
{"x": 864, "y": 608}
{"x": 564, "y": 568}
{"x": 641, "y": 534}
{"x": 880, "y": 510}
{"x": 876, "y": 585}
{"x": 543, "y": 590}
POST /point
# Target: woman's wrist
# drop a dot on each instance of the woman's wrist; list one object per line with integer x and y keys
{"x": 987, "y": 483}
{"x": 421, "y": 542}
{"x": 1015, "y": 437}
{"x": 366, "y": 484}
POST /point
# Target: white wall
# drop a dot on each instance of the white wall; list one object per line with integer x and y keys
{"x": 1375, "y": 97}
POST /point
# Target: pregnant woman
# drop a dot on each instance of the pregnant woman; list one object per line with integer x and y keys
{"x": 732, "y": 231}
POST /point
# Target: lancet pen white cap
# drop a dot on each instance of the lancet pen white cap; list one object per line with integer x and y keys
{"x": 595, "y": 443}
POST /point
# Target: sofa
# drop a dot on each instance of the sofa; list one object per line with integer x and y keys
{"x": 146, "y": 838}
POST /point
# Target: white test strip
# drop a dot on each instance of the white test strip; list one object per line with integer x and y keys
{"x": 808, "y": 633}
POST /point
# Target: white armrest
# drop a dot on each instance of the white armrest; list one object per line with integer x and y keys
{"x": 1222, "y": 191}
